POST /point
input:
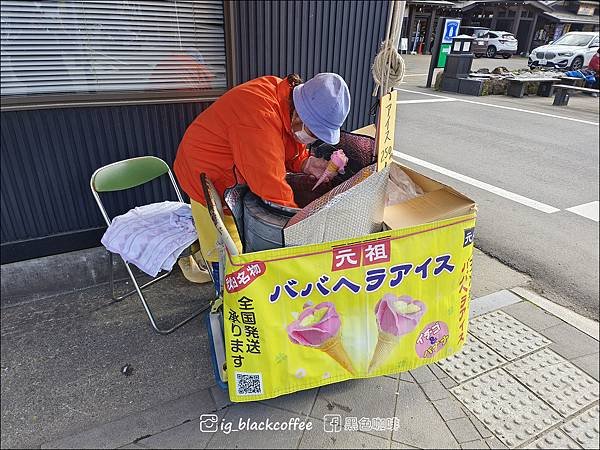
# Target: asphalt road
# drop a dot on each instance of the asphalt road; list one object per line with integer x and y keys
{"x": 515, "y": 151}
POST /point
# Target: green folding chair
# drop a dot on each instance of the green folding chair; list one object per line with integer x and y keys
{"x": 128, "y": 174}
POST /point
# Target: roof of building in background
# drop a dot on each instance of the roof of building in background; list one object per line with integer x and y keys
{"x": 433, "y": 3}
{"x": 552, "y": 9}
{"x": 550, "y": 2}
{"x": 466, "y": 5}
{"x": 565, "y": 16}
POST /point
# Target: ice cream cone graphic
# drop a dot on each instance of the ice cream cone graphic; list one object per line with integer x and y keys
{"x": 386, "y": 343}
{"x": 336, "y": 164}
{"x": 319, "y": 327}
{"x": 335, "y": 349}
{"x": 396, "y": 316}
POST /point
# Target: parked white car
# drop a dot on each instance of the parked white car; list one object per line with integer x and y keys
{"x": 571, "y": 51}
{"x": 501, "y": 43}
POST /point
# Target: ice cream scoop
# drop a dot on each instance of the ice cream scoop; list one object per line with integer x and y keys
{"x": 336, "y": 165}
{"x": 314, "y": 318}
{"x": 314, "y": 325}
{"x": 398, "y": 315}
{"x": 319, "y": 327}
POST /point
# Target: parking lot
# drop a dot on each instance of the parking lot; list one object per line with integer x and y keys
{"x": 531, "y": 166}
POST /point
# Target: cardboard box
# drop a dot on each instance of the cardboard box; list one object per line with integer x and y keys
{"x": 439, "y": 202}
{"x": 336, "y": 290}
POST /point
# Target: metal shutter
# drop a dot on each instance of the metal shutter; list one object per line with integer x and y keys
{"x": 67, "y": 46}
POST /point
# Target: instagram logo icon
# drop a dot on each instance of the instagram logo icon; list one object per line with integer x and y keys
{"x": 209, "y": 423}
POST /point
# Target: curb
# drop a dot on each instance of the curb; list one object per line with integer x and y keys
{"x": 40, "y": 278}
{"x": 583, "y": 324}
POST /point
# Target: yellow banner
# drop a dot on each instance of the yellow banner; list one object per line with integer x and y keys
{"x": 385, "y": 131}
{"x": 301, "y": 317}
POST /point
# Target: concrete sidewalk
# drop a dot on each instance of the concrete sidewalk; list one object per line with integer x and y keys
{"x": 525, "y": 377}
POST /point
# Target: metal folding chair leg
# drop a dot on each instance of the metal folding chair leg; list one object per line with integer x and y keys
{"x": 112, "y": 281}
{"x": 138, "y": 290}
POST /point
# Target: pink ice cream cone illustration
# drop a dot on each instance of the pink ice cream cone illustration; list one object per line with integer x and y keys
{"x": 396, "y": 316}
{"x": 337, "y": 162}
{"x": 319, "y": 327}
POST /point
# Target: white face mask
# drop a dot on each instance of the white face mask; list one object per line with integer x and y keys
{"x": 303, "y": 137}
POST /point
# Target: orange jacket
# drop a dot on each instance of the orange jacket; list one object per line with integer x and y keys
{"x": 245, "y": 136}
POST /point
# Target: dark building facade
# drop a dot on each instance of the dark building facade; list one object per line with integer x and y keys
{"x": 534, "y": 23}
{"x": 420, "y": 23}
{"x": 50, "y": 149}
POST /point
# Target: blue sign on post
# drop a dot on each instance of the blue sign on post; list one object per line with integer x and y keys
{"x": 450, "y": 30}
{"x": 447, "y": 29}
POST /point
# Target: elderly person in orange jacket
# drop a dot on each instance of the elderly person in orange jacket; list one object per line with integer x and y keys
{"x": 254, "y": 134}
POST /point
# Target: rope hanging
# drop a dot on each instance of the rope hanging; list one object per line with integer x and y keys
{"x": 388, "y": 68}
{"x": 388, "y": 63}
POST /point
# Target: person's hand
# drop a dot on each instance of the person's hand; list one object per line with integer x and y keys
{"x": 315, "y": 166}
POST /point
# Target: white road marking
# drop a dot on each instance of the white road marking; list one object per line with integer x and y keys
{"x": 422, "y": 93}
{"x": 504, "y": 107}
{"x": 415, "y": 74}
{"x": 587, "y": 210}
{"x": 427, "y": 100}
{"x": 480, "y": 184}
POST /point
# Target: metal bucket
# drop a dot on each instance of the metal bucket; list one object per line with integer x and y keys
{"x": 263, "y": 223}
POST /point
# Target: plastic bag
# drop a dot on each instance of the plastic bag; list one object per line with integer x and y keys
{"x": 400, "y": 187}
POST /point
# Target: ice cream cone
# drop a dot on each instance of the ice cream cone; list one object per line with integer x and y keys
{"x": 335, "y": 349}
{"x": 386, "y": 343}
{"x": 396, "y": 316}
{"x": 319, "y": 327}
{"x": 328, "y": 174}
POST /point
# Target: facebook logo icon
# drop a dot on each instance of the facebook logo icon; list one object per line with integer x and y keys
{"x": 332, "y": 423}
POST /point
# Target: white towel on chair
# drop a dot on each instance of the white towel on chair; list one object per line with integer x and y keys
{"x": 152, "y": 236}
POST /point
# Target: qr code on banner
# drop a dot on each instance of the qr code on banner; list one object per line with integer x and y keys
{"x": 248, "y": 383}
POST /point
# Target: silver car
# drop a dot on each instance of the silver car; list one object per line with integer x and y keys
{"x": 571, "y": 51}
{"x": 501, "y": 43}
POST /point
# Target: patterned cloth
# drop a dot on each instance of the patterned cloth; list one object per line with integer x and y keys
{"x": 152, "y": 236}
{"x": 302, "y": 184}
{"x": 359, "y": 150}
{"x": 324, "y": 200}
{"x": 352, "y": 209}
